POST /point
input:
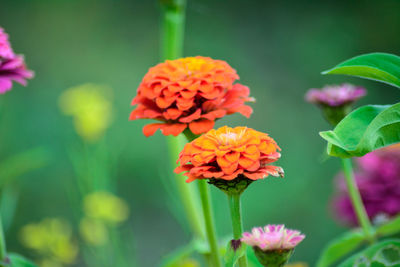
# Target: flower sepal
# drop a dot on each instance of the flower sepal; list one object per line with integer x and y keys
{"x": 335, "y": 114}
{"x": 231, "y": 187}
{"x": 273, "y": 258}
{"x": 235, "y": 250}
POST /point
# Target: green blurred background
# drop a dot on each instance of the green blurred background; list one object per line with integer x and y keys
{"x": 278, "y": 49}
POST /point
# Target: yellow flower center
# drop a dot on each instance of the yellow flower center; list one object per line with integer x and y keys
{"x": 192, "y": 64}
{"x": 226, "y": 136}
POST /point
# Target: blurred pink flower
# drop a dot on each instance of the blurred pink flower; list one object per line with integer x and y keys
{"x": 12, "y": 66}
{"x": 272, "y": 237}
{"x": 378, "y": 179}
{"x": 335, "y": 95}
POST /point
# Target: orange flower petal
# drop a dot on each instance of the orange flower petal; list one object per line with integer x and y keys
{"x": 188, "y": 84}
{"x": 172, "y": 113}
{"x": 194, "y": 116}
{"x": 184, "y": 104}
{"x": 227, "y": 152}
{"x": 254, "y": 167}
{"x": 232, "y": 157}
{"x": 183, "y": 168}
{"x": 188, "y": 94}
{"x": 173, "y": 129}
{"x": 255, "y": 175}
{"x": 255, "y": 156}
{"x": 233, "y": 175}
{"x": 201, "y": 126}
{"x": 223, "y": 163}
{"x": 230, "y": 168}
{"x": 164, "y": 102}
{"x": 245, "y": 162}
{"x": 251, "y": 150}
{"x": 150, "y": 129}
{"x": 214, "y": 114}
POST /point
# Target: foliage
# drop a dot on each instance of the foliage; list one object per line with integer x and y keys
{"x": 371, "y": 127}
{"x": 364, "y": 130}
{"x": 19, "y": 261}
{"x": 381, "y": 67}
{"x": 390, "y": 228}
{"x": 340, "y": 247}
{"x": 22, "y": 163}
{"x": 384, "y": 253}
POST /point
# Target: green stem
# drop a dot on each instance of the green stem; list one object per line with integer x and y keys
{"x": 209, "y": 221}
{"x": 3, "y": 252}
{"x": 237, "y": 227}
{"x": 173, "y": 28}
{"x": 356, "y": 201}
{"x": 173, "y": 25}
{"x": 172, "y": 39}
{"x": 188, "y": 196}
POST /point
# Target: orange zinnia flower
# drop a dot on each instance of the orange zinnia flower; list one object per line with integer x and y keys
{"x": 189, "y": 92}
{"x": 227, "y": 153}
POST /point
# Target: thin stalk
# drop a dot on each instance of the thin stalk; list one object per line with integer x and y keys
{"x": 209, "y": 221}
{"x": 172, "y": 48}
{"x": 187, "y": 194}
{"x": 3, "y": 251}
{"x": 237, "y": 226}
{"x": 356, "y": 201}
{"x": 173, "y": 25}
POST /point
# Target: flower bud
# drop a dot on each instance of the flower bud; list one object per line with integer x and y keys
{"x": 274, "y": 244}
{"x": 335, "y": 101}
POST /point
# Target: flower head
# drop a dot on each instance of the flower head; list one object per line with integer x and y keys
{"x": 378, "y": 179}
{"x": 335, "y": 95}
{"x": 12, "y": 66}
{"x": 189, "y": 93}
{"x": 227, "y": 153}
{"x": 51, "y": 238}
{"x": 93, "y": 231}
{"x": 335, "y": 100}
{"x": 91, "y": 108}
{"x": 272, "y": 237}
{"x": 106, "y": 207}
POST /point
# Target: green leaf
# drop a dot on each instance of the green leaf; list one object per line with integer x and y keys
{"x": 364, "y": 130}
{"x": 384, "y": 253}
{"x": 340, "y": 247}
{"x": 19, "y": 261}
{"x": 390, "y": 228}
{"x": 234, "y": 252}
{"x": 178, "y": 255}
{"x": 380, "y": 67}
{"x": 22, "y": 163}
{"x": 8, "y": 204}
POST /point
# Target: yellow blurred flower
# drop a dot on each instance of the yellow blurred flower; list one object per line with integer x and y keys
{"x": 91, "y": 108}
{"x": 189, "y": 263}
{"x": 105, "y": 207}
{"x": 297, "y": 264}
{"x": 49, "y": 263}
{"x": 93, "y": 231}
{"x": 51, "y": 237}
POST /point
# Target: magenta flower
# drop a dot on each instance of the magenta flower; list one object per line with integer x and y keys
{"x": 378, "y": 179}
{"x": 12, "y": 66}
{"x": 335, "y": 95}
{"x": 273, "y": 237}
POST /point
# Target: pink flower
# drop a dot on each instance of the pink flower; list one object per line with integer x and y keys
{"x": 5, "y": 47}
{"x": 378, "y": 179}
{"x": 272, "y": 237}
{"x": 335, "y": 95}
{"x": 12, "y": 66}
